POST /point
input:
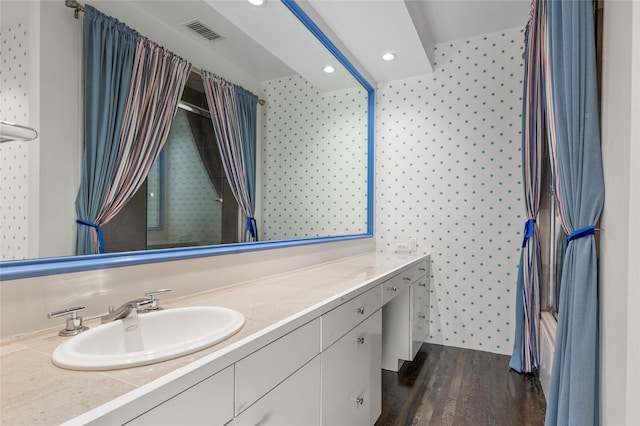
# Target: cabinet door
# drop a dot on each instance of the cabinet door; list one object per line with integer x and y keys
{"x": 294, "y": 402}
{"x": 351, "y": 376}
{"x": 419, "y": 314}
{"x": 209, "y": 402}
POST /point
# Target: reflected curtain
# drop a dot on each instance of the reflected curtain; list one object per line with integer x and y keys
{"x": 524, "y": 358}
{"x": 204, "y": 139}
{"x": 223, "y": 105}
{"x": 247, "y": 109}
{"x": 158, "y": 80}
{"x": 109, "y": 52}
{"x": 155, "y": 79}
{"x": 576, "y": 162}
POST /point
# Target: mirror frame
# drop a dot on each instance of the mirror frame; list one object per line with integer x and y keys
{"x": 12, "y": 270}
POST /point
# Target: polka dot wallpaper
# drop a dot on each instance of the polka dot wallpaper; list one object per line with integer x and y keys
{"x": 14, "y": 158}
{"x": 314, "y": 165}
{"x": 448, "y": 173}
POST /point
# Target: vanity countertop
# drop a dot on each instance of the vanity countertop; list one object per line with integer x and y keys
{"x": 33, "y": 391}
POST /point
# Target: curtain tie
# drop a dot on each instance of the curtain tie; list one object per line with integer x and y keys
{"x": 98, "y": 230}
{"x": 252, "y": 227}
{"x": 582, "y": 232}
{"x": 529, "y": 226}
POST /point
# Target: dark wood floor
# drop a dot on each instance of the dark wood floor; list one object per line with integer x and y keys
{"x": 454, "y": 386}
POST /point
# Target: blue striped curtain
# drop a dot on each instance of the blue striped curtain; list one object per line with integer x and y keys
{"x": 524, "y": 358}
{"x": 158, "y": 81}
{"x": 576, "y": 161}
{"x": 109, "y": 52}
{"x": 132, "y": 89}
{"x": 247, "y": 104}
{"x": 226, "y": 118}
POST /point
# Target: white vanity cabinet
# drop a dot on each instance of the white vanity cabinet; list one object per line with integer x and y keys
{"x": 419, "y": 326}
{"x": 264, "y": 369}
{"x": 208, "y": 402}
{"x": 325, "y": 370}
{"x": 294, "y": 402}
{"x": 351, "y": 377}
{"x": 405, "y": 319}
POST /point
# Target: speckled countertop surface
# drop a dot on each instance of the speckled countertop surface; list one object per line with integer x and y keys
{"x": 35, "y": 392}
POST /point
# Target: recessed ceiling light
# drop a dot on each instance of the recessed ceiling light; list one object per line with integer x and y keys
{"x": 328, "y": 69}
{"x": 388, "y": 56}
{"x": 256, "y": 2}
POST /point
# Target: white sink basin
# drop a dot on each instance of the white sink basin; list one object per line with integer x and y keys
{"x": 148, "y": 338}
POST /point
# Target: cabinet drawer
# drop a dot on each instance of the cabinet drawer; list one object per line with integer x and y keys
{"x": 294, "y": 402}
{"x": 416, "y": 271}
{"x": 209, "y": 402}
{"x": 393, "y": 287}
{"x": 351, "y": 387}
{"x": 337, "y": 322}
{"x": 261, "y": 371}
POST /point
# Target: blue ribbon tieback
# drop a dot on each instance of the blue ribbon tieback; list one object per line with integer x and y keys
{"x": 98, "y": 230}
{"x": 528, "y": 231}
{"x": 582, "y": 232}
{"x": 252, "y": 227}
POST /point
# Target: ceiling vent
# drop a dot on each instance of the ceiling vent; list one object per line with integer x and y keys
{"x": 202, "y": 29}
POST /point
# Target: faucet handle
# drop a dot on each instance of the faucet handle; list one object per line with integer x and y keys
{"x": 152, "y": 294}
{"x": 74, "y": 324}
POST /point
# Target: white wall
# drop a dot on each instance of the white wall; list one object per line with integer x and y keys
{"x": 448, "y": 172}
{"x": 60, "y": 128}
{"x": 620, "y": 248}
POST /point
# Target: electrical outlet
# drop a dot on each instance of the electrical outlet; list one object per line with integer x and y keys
{"x": 413, "y": 245}
{"x": 402, "y": 247}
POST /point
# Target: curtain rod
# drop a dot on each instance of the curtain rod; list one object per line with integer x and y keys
{"x": 199, "y": 72}
{"x": 77, "y": 7}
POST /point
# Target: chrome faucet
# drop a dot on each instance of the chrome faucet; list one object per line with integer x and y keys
{"x": 147, "y": 304}
{"x": 137, "y": 305}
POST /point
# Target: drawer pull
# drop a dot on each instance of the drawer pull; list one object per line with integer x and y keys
{"x": 360, "y": 311}
{"x": 422, "y": 316}
{"x": 360, "y": 340}
{"x": 422, "y": 284}
{"x": 422, "y": 269}
{"x": 394, "y": 288}
{"x": 406, "y": 278}
{"x": 359, "y": 400}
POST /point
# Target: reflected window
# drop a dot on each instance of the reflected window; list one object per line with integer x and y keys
{"x": 553, "y": 242}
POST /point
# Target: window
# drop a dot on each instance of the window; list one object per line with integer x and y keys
{"x": 553, "y": 242}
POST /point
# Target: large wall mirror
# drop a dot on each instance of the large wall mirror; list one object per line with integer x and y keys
{"x": 314, "y": 174}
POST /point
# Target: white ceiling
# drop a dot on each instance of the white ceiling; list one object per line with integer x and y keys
{"x": 258, "y": 42}
{"x": 411, "y": 28}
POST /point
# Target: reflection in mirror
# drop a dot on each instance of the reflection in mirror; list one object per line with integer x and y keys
{"x": 185, "y": 190}
{"x": 314, "y": 132}
{"x": 190, "y": 211}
